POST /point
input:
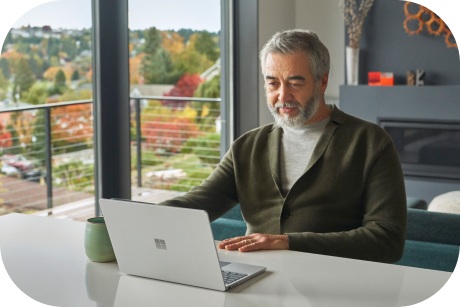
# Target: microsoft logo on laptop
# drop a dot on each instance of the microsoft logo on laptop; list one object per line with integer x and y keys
{"x": 161, "y": 244}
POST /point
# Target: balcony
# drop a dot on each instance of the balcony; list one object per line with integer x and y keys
{"x": 47, "y": 153}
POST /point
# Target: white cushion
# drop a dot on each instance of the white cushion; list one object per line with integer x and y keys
{"x": 447, "y": 202}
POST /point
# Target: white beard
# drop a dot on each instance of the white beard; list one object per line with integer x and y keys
{"x": 305, "y": 113}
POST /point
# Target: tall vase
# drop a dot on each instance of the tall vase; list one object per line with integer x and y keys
{"x": 352, "y": 62}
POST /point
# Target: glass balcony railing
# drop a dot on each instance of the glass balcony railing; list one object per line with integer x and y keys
{"x": 47, "y": 151}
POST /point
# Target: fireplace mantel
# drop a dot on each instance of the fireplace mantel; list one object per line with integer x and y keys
{"x": 402, "y": 102}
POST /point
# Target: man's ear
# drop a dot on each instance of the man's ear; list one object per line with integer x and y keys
{"x": 324, "y": 81}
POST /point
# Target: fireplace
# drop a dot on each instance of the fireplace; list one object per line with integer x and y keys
{"x": 426, "y": 148}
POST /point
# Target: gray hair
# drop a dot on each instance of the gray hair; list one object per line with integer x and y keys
{"x": 298, "y": 40}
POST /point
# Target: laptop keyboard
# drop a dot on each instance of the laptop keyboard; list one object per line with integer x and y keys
{"x": 230, "y": 277}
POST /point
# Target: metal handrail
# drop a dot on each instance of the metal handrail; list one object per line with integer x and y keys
{"x": 178, "y": 98}
{"x": 45, "y": 106}
{"x": 48, "y": 140}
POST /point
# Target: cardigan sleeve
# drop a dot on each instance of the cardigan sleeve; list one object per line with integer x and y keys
{"x": 381, "y": 236}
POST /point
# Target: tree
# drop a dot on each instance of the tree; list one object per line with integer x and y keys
{"x": 24, "y": 78}
{"x": 5, "y": 67}
{"x": 157, "y": 65}
{"x": 135, "y": 76}
{"x": 159, "y": 68}
{"x": 75, "y": 75}
{"x": 3, "y": 86}
{"x": 152, "y": 40}
{"x": 204, "y": 43}
{"x": 53, "y": 47}
{"x": 13, "y": 57}
{"x": 59, "y": 83}
{"x": 173, "y": 42}
{"x": 69, "y": 46}
{"x": 209, "y": 88}
{"x": 192, "y": 62}
{"x": 37, "y": 94}
{"x": 8, "y": 41}
{"x": 185, "y": 87}
{"x": 36, "y": 65}
{"x": 186, "y": 33}
{"x": 208, "y": 111}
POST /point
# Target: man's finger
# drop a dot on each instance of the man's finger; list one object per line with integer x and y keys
{"x": 236, "y": 243}
{"x": 252, "y": 246}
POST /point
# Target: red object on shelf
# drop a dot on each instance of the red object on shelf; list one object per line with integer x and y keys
{"x": 377, "y": 78}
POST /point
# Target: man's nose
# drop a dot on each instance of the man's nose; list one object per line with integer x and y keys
{"x": 284, "y": 94}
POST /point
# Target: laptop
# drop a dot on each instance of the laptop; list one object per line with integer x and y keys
{"x": 170, "y": 244}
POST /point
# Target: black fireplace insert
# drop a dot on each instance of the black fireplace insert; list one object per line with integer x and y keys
{"x": 426, "y": 148}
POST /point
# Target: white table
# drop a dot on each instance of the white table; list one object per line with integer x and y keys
{"x": 45, "y": 257}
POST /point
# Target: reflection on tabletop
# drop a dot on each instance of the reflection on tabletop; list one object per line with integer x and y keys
{"x": 102, "y": 282}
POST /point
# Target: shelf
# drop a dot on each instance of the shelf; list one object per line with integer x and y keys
{"x": 402, "y": 102}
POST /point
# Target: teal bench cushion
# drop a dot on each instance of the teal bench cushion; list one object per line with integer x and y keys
{"x": 432, "y": 240}
{"x": 229, "y": 225}
{"x": 224, "y": 228}
{"x": 433, "y": 256}
{"x": 431, "y": 226}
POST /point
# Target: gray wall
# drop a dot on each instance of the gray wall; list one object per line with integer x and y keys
{"x": 387, "y": 47}
{"x": 325, "y": 18}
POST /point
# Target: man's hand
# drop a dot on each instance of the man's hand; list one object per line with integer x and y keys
{"x": 255, "y": 241}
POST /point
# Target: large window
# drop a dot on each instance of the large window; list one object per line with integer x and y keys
{"x": 46, "y": 119}
{"x": 47, "y": 113}
{"x": 175, "y": 52}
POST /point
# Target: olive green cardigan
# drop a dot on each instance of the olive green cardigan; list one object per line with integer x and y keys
{"x": 350, "y": 201}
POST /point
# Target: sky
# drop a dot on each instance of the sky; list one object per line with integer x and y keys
{"x": 142, "y": 14}
{"x": 166, "y": 14}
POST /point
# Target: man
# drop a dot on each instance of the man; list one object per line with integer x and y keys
{"x": 317, "y": 180}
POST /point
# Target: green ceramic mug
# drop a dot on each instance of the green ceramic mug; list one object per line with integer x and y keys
{"x": 98, "y": 247}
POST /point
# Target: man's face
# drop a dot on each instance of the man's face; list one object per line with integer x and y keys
{"x": 293, "y": 96}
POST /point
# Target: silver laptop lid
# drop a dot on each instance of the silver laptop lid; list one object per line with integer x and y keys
{"x": 165, "y": 243}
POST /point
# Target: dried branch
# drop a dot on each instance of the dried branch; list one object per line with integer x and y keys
{"x": 354, "y": 18}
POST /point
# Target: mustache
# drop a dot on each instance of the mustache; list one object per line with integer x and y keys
{"x": 289, "y": 104}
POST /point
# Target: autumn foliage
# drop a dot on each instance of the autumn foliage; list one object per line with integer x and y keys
{"x": 5, "y": 137}
{"x": 135, "y": 77}
{"x": 166, "y": 135}
{"x": 185, "y": 87}
{"x": 72, "y": 124}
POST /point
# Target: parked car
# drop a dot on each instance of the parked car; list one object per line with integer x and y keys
{"x": 20, "y": 162}
{"x": 32, "y": 175}
{"x": 9, "y": 170}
